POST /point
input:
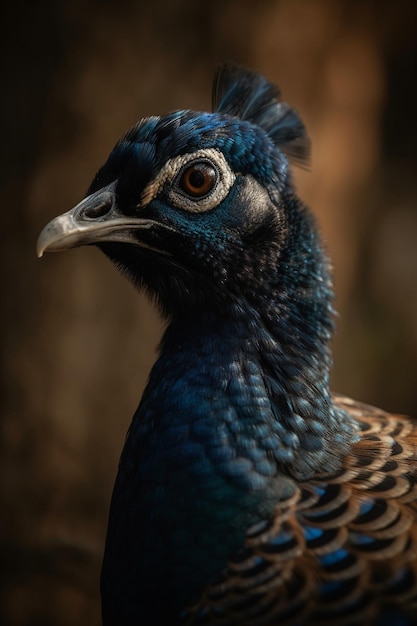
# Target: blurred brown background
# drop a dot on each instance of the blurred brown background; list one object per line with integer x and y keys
{"x": 77, "y": 340}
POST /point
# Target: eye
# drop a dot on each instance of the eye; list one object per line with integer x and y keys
{"x": 195, "y": 182}
{"x": 198, "y": 179}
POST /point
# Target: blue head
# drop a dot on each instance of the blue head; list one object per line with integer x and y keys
{"x": 199, "y": 208}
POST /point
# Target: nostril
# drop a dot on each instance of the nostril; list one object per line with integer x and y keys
{"x": 98, "y": 207}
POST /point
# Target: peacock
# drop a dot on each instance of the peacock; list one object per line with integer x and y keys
{"x": 247, "y": 492}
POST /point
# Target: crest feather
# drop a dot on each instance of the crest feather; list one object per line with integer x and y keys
{"x": 249, "y": 96}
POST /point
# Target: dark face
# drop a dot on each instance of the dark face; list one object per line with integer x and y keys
{"x": 184, "y": 220}
{"x": 197, "y": 207}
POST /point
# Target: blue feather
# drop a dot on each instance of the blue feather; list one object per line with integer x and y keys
{"x": 249, "y": 96}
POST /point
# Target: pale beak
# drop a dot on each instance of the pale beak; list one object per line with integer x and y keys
{"x": 94, "y": 220}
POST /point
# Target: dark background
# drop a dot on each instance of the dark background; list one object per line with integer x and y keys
{"x": 77, "y": 341}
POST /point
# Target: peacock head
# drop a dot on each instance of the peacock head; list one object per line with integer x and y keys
{"x": 199, "y": 208}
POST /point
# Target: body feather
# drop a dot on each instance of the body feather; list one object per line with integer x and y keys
{"x": 338, "y": 547}
{"x": 247, "y": 494}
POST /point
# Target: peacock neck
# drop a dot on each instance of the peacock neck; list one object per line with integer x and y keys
{"x": 274, "y": 355}
{"x": 234, "y": 410}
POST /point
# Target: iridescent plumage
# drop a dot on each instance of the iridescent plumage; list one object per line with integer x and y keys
{"x": 339, "y": 548}
{"x": 247, "y": 493}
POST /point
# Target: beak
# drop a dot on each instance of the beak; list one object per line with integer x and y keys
{"x": 94, "y": 220}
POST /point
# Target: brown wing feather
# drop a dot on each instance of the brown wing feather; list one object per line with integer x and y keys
{"x": 340, "y": 548}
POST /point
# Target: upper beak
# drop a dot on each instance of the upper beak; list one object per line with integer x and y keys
{"x": 95, "y": 219}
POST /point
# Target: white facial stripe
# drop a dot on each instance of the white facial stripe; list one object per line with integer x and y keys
{"x": 170, "y": 171}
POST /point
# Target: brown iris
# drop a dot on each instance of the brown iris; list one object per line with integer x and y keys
{"x": 198, "y": 179}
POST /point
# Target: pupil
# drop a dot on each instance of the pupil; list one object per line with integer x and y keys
{"x": 197, "y": 179}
